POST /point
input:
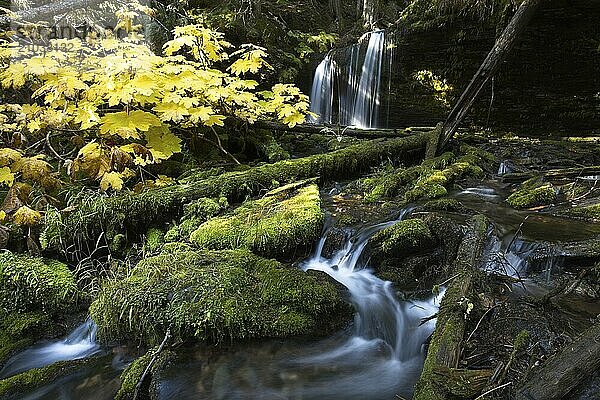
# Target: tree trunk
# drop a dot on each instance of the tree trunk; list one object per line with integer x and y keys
{"x": 488, "y": 68}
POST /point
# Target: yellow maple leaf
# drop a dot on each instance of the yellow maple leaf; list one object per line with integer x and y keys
{"x": 200, "y": 114}
{"x": 26, "y": 216}
{"x": 6, "y": 177}
{"x": 171, "y": 111}
{"x": 163, "y": 180}
{"x": 2, "y": 215}
{"x": 215, "y": 120}
{"x": 111, "y": 180}
{"x": 126, "y": 125}
{"x": 293, "y": 119}
{"x": 162, "y": 144}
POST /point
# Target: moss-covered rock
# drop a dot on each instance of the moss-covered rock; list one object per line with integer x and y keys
{"x": 155, "y": 238}
{"x": 276, "y": 225}
{"x": 19, "y": 330}
{"x": 533, "y": 192}
{"x": 33, "y": 283}
{"x": 133, "y": 373}
{"x": 446, "y": 204}
{"x": 14, "y": 386}
{"x": 403, "y": 238}
{"x": 214, "y": 296}
{"x": 195, "y": 214}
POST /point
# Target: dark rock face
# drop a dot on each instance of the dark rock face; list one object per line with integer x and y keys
{"x": 550, "y": 83}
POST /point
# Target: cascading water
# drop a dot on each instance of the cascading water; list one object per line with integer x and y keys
{"x": 78, "y": 344}
{"x": 380, "y": 357}
{"x": 356, "y": 80}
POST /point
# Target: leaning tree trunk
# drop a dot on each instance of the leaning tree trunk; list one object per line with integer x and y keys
{"x": 488, "y": 68}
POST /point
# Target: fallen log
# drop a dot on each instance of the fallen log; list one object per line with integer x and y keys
{"x": 127, "y": 212}
{"x": 488, "y": 68}
{"x": 552, "y": 174}
{"x": 48, "y": 11}
{"x": 444, "y": 350}
{"x": 342, "y": 130}
{"x": 565, "y": 371}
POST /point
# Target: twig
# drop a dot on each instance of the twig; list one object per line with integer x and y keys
{"x": 481, "y": 396}
{"x": 481, "y": 319}
{"x": 152, "y": 361}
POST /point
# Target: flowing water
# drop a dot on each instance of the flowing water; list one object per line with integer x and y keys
{"x": 80, "y": 343}
{"x": 380, "y": 356}
{"x": 353, "y": 84}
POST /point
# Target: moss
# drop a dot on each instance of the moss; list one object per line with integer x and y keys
{"x": 34, "y": 378}
{"x": 214, "y": 296}
{"x": 521, "y": 341}
{"x": 155, "y": 238}
{"x": 175, "y": 247}
{"x": 133, "y": 212}
{"x": 118, "y": 244}
{"x": 426, "y": 181}
{"x": 33, "y": 283}
{"x": 133, "y": 373}
{"x": 195, "y": 214}
{"x": 533, "y": 192}
{"x": 18, "y": 330}
{"x": 275, "y": 225}
{"x": 587, "y": 212}
{"x": 408, "y": 236}
{"x": 446, "y": 204}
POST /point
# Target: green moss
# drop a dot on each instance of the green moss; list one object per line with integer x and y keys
{"x": 533, "y": 192}
{"x": 587, "y": 212}
{"x": 402, "y": 238}
{"x": 195, "y": 214}
{"x": 213, "y": 296}
{"x": 446, "y": 204}
{"x": 34, "y": 378}
{"x": 155, "y": 238}
{"x": 134, "y": 212}
{"x": 33, "y": 283}
{"x": 275, "y": 225}
{"x": 521, "y": 341}
{"x": 118, "y": 244}
{"x": 133, "y": 373}
{"x": 18, "y": 330}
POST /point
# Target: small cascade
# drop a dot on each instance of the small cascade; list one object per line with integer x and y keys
{"x": 510, "y": 258}
{"x": 351, "y": 79}
{"x": 80, "y": 343}
{"x": 380, "y": 316}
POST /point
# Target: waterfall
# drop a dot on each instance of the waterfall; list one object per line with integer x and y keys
{"x": 380, "y": 316}
{"x": 80, "y": 343}
{"x": 355, "y": 79}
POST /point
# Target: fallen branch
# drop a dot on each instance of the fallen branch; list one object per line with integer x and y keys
{"x": 552, "y": 174}
{"x": 151, "y": 363}
{"x": 445, "y": 347}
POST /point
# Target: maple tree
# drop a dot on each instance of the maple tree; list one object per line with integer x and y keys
{"x": 127, "y": 104}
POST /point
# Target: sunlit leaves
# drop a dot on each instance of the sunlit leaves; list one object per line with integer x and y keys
{"x": 26, "y": 216}
{"x": 6, "y": 177}
{"x": 127, "y": 125}
{"x": 162, "y": 143}
{"x": 111, "y": 180}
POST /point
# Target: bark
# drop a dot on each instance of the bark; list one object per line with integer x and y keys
{"x": 565, "y": 371}
{"x": 553, "y": 174}
{"x": 445, "y": 347}
{"x": 104, "y": 217}
{"x": 488, "y": 68}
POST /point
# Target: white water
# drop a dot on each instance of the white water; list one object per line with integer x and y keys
{"x": 356, "y": 81}
{"x": 78, "y": 344}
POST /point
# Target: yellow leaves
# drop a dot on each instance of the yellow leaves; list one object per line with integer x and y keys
{"x": 111, "y": 180}
{"x": 293, "y": 119}
{"x": 6, "y": 177}
{"x": 200, "y": 114}
{"x": 215, "y": 120}
{"x": 251, "y": 60}
{"x": 127, "y": 125}
{"x": 14, "y": 76}
{"x": 171, "y": 111}
{"x": 162, "y": 144}
{"x": 202, "y": 44}
{"x": 26, "y": 216}
{"x": 92, "y": 161}
{"x": 2, "y": 216}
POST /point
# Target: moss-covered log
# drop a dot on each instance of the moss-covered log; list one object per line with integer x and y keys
{"x": 566, "y": 370}
{"x": 132, "y": 376}
{"x": 445, "y": 346}
{"x": 136, "y": 212}
{"x": 216, "y": 296}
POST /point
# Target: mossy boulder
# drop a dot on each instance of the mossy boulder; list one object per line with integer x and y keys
{"x": 276, "y": 225}
{"x": 532, "y": 193}
{"x": 33, "y": 283}
{"x": 19, "y": 330}
{"x": 591, "y": 212}
{"x": 216, "y": 296}
{"x": 403, "y": 238}
{"x": 195, "y": 214}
